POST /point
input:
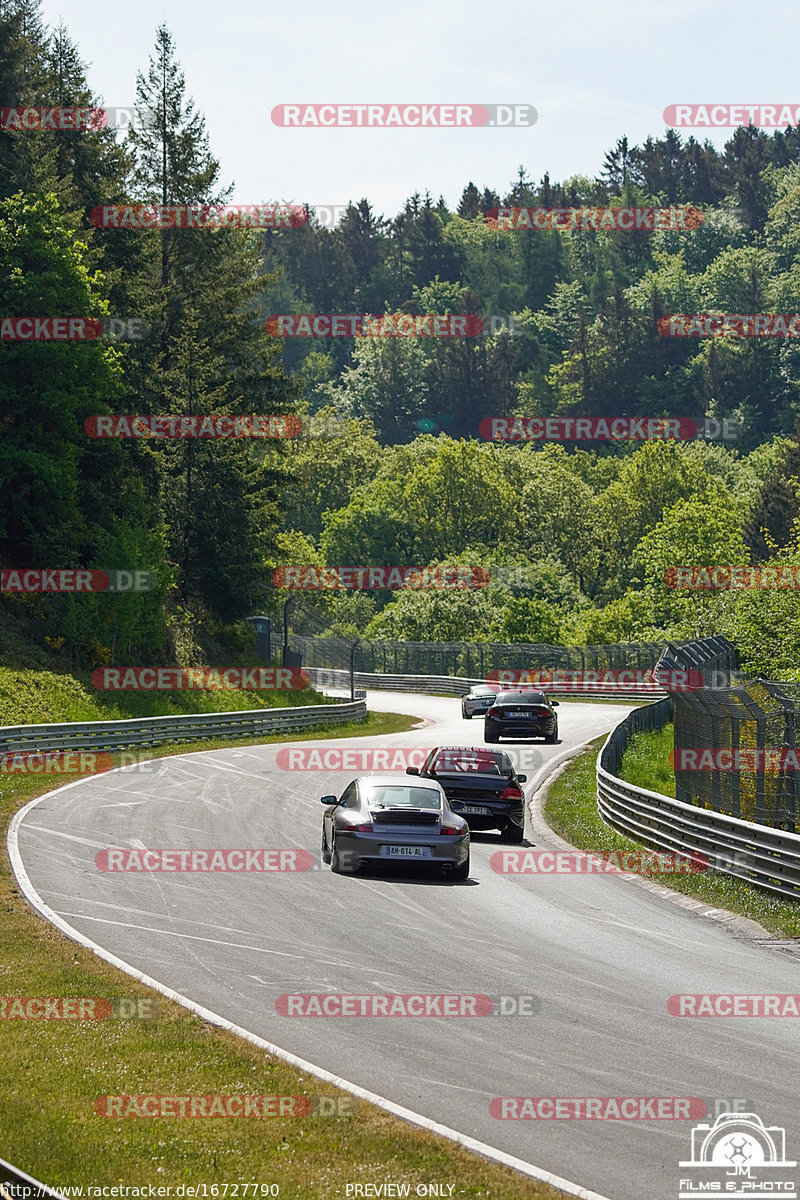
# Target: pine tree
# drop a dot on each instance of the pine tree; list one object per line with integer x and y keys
{"x": 211, "y": 354}
{"x": 469, "y": 205}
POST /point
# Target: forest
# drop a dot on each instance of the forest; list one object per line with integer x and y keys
{"x": 391, "y": 464}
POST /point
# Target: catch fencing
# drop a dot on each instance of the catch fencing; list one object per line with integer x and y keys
{"x": 456, "y": 685}
{"x": 743, "y": 731}
{"x": 468, "y": 660}
{"x": 755, "y": 853}
{"x": 742, "y": 822}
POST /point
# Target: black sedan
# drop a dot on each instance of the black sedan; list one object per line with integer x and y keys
{"x": 521, "y": 714}
{"x": 481, "y": 786}
{"x": 390, "y": 818}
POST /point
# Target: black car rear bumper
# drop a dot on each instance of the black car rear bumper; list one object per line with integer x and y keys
{"x": 502, "y": 812}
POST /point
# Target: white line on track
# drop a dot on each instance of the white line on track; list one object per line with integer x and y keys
{"x": 398, "y": 1110}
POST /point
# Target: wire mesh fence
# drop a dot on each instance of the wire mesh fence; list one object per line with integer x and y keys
{"x": 469, "y": 659}
{"x": 735, "y": 749}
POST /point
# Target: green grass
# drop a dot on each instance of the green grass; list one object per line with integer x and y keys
{"x": 32, "y": 697}
{"x": 54, "y": 1071}
{"x": 645, "y": 762}
{"x": 571, "y": 810}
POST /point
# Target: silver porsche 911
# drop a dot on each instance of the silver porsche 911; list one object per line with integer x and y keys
{"x": 477, "y": 701}
{"x": 393, "y": 818}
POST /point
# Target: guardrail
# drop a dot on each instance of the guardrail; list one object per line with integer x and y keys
{"x": 456, "y": 685}
{"x": 18, "y": 1185}
{"x": 758, "y": 854}
{"x": 151, "y": 731}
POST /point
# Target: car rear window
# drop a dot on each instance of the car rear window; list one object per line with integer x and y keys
{"x": 465, "y": 760}
{"x": 484, "y": 762}
{"x": 521, "y": 698}
{"x": 397, "y": 795}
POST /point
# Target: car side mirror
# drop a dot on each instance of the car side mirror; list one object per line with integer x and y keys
{"x": 329, "y": 800}
{"x": 522, "y": 779}
{"x": 412, "y": 770}
{"x": 554, "y": 703}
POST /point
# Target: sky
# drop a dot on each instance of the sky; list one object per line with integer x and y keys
{"x": 593, "y": 71}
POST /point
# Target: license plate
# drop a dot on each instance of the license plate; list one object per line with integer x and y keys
{"x": 519, "y": 714}
{"x": 406, "y": 851}
{"x": 475, "y": 809}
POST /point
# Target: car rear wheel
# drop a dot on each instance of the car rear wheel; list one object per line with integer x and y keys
{"x": 461, "y": 873}
{"x": 490, "y": 736}
{"x": 551, "y": 738}
{"x": 513, "y": 833}
{"x": 326, "y": 854}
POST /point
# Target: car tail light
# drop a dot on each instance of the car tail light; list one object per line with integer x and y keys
{"x": 542, "y": 712}
{"x": 365, "y": 827}
{"x": 511, "y": 793}
{"x": 493, "y": 712}
{"x": 451, "y": 829}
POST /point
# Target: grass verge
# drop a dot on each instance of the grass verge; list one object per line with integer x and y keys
{"x": 571, "y": 810}
{"x": 55, "y": 1070}
{"x": 31, "y": 697}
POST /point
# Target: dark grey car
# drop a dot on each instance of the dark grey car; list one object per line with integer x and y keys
{"x": 521, "y": 714}
{"x": 391, "y": 818}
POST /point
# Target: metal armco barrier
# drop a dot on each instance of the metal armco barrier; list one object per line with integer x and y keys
{"x": 755, "y": 853}
{"x": 452, "y": 685}
{"x": 151, "y": 731}
{"x": 16, "y": 1185}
